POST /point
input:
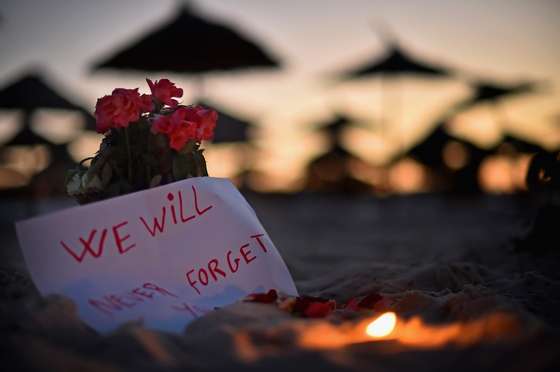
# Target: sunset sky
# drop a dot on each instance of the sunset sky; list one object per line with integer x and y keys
{"x": 315, "y": 40}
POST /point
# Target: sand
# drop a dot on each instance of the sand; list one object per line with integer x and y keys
{"x": 466, "y": 300}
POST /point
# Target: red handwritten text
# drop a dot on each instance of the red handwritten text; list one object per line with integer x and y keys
{"x": 94, "y": 244}
{"x": 176, "y": 211}
{"x": 111, "y": 303}
{"x": 215, "y": 270}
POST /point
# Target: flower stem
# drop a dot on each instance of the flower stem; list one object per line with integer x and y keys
{"x": 129, "y": 155}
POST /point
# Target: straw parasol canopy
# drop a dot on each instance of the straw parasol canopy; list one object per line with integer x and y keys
{"x": 189, "y": 43}
{"x": 229, "y": 129}
{"x": 493, "y": 93}
{"x": 396, "y": 62}
{"x": 31, "y": 92}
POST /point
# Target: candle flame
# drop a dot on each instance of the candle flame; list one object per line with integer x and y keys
{"x": 382, "y": 326}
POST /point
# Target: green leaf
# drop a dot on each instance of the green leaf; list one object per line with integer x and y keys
{"x": 155, "y": 181}
{"x": 93, "y": 183}
{"x": 189, "y": 148}
{"x": 74, "y": 184}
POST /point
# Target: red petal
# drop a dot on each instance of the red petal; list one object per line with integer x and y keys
{"x": 352, "y": 304}
{"x": 319, "y": 309}
{"x": 370, "y": 300}
{"x": 304, "y": 301}
{"x": 263, "y": 298}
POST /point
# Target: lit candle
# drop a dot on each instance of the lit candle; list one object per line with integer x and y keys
{"x": 382, "y": 326}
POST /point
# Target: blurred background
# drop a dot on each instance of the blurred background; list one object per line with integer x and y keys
{"x": 383, "y": 144}
{"x": 349, "y": 97}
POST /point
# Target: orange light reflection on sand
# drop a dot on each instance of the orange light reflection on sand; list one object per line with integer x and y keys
{"x": 414, "y": 332}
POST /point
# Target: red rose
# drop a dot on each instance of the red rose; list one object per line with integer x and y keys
{"x": 162, "y": 125}
{"x": 181, "y": 135}
{"x": 205, "y": 120}
{"x": 147, "y": 103}
{"x": 122, "y": 107}
{"x": 164, "y": 91}
{"x": 186, "y": 123}
{"x": 176, "y": 127}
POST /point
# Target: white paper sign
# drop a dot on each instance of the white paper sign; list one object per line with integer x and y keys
{"x": 166, "y": 255}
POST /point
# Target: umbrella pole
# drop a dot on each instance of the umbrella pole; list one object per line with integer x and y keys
{"x": 26, "y": 119}
{"x": 385, "y": 101}
{"x": 397, "y": 113}
{"x": 31, "y": 202}
{"x": 382, "y": 108}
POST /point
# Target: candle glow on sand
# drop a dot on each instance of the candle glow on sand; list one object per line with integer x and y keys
{"x": 413, "y": 332}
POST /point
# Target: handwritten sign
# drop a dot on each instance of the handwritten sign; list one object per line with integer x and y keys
{"x": 164, "y": 256}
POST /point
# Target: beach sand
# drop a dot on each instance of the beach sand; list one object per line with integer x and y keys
{"x": 448, "y": 261}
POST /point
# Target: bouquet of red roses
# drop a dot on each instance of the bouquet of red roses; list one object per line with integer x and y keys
{"x": 150, "y": 140}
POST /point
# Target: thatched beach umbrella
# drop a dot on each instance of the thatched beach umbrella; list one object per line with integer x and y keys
{"x": 229, "y": 129}
{"x": 51, "y": 180}
{"x": 31, "y": 93}
{"x": 431, "y": 152}
{"x": 394, "y": 64}
{"x": 189, "y": 43}
{"x": 493, "y": 93}
{"x": 27, "y": 137}
{"x": 335, "y": 128}
{"x": 330, "y": 171}
{"x": 233, "y": 130}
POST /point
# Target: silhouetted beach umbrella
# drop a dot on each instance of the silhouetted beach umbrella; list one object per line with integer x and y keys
{"x": 491, "y": 93}
{"x": 51, "y": 180}
{"x": 233, "y": 130}
{"x": 330, "y": 172}
{"x": 31, "y": 92}
{"x": 229, "y": 128}
{"x": 334, "y": 128}
{"x": 397, "y": 62}
{"x": 337, "y": 126}
{"x": 485, "y": 92}
{"x": 60, "y": 155}
{"x": 431, "y": 152}
{"x": 190, "y": 44}
{"x": 339, "y": 152}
